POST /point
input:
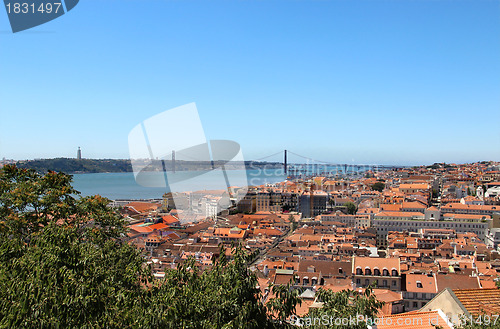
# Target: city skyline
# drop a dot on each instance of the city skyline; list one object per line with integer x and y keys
{"x": 402, "y": 83}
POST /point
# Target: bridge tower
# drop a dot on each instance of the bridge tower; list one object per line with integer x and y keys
{"x": 285, "y": 163}
{"x": 173, "y": 161}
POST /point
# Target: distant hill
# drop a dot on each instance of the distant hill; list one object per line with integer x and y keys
{"x": 77, "y": 166}
{"x": 72, "y": 166}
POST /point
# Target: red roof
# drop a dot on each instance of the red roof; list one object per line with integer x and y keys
{"x": 169, "y": 219}
{"x": 158, "y": 226}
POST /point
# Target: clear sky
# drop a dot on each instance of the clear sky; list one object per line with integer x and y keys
{"x": 388, "y": 82}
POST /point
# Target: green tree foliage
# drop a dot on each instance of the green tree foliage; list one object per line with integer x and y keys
{"x": 283, "y": 306}
{"x": 434, "y": 193}
{"x": 225, "y": 296}
{"x": 351, "y": 208}
{"x": 294, "y": 223}
{"x": 378, "y": 186}
{"x": 61, "y": 261}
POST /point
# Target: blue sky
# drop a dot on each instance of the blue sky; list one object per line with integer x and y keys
{"x": 388, "y": 82}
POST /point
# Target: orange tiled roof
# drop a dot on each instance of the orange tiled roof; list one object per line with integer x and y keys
{"x": 390, "y": 207}
{"x": 376, "y": 262}
{"x": 141, "y": 207}
{"x": 169, "y": 219}
{"x": 469, "y": 206}
{"x": 477, "y": 301}
{"x": 399, "y": 214}
{"x": 486, "y": 284}
{"x": 140, "y": 229}
{"x": 421, "y": 283}
{"x": 158, "y": 226}
{"x": 413, "y": 204}
{"x": 414, "y": 186}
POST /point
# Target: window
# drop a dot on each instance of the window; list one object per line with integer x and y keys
{"x": 340, "y": 270}
{"x": 359, "y": 271}
{"x": 376, "y": 272}
{"x": 415, "y": 304}
{"x": 358, "y": 281}
{"x": 419, "y": 284}
{"x": 394, "y": 272}
{"x": 384, "y": 283}
{"x": 367, "y": 282}
{"x": 385, "y": 272}
{"x": 368, "y": 271}
{"x": 393, "y": 283}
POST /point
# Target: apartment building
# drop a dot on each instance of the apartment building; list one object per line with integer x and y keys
{"x": 386, "y": 222}
{"x": 385, "y": 273}
{"x": 312, "y": 206}
{"x": 418, "y": 290}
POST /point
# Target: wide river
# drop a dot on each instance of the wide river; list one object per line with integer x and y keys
{"x": 153, "y": 185}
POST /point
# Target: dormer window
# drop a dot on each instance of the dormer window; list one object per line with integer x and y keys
{"x": 419, "y": 284}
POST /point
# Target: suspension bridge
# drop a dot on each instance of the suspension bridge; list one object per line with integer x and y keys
{"x": 301, "y": 165}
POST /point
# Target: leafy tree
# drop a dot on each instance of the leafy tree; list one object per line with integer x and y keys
{"x": 435, "y": 193}
{"x": 282, "y": 307}
{"x": 378, "y": 186}
{"x": 292, "y": 220}
{"x": 351, "y": 208}
{"x": 62, "y": 263}
{"x": 222, "y": 297}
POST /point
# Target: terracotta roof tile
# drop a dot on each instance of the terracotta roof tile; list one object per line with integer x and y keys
{"x": 477, "y": 301}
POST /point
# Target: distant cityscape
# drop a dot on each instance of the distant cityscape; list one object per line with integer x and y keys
{"x": 426, "y": 237}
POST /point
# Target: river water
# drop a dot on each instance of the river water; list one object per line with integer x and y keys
{"x": 117, "y": 186}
